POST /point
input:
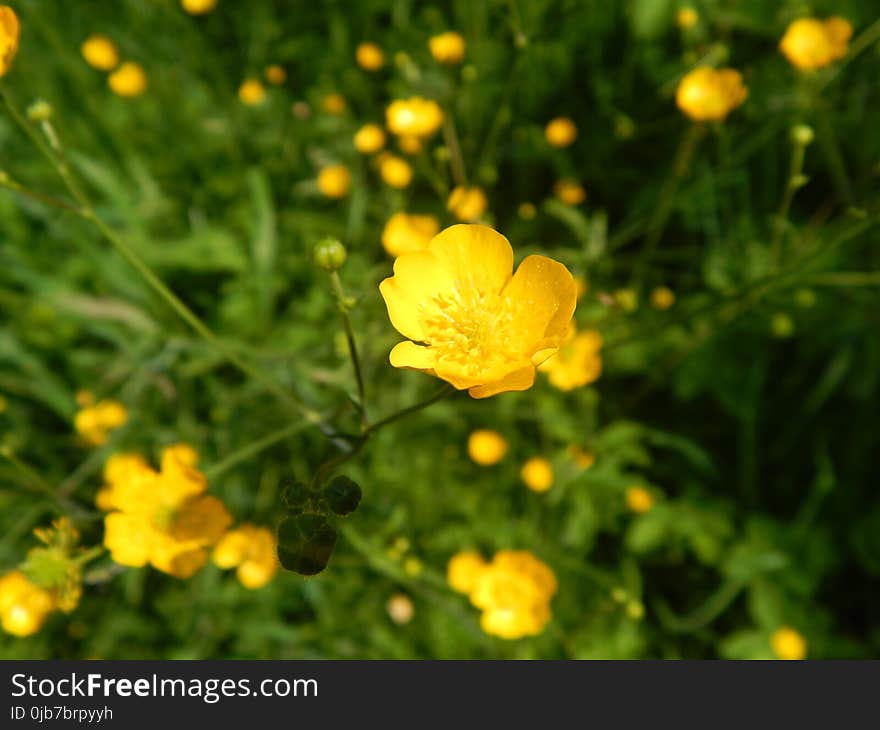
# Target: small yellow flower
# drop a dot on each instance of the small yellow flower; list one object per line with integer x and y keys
{"x": 482, "y": 327}
{"x": 467, "y": 204}
{"x": 400, "y": 609}
{"x": 10, "y": 31}
{"x": 275, "y": 74}
{"x": 198, "y": 7}
{"x": 570, "y": 192}
{"x": 537, "y": 473}
{"x": 94, "y": 423}
{"x": 486, "y": 447}
{"x": 251, "y": 550}
{"x": 128, "y": 80}
{"x": 404, "y": 233}
{"x": 252, "y": 92}
{"x": 100, "y": 53}
{"x": 788, "y": 644}
{"x": 84, "y": 398}
{"x": 662, "y": 297}
{"x": 334, "y": 181}
{"x": 334, "y": 104}
{"x": 413, "y": 566}
{"x": 708, "y": 95}
{"x": 582, "y": 458}
{"x": 24, "y": 606}
{"x": 810, "y": 43}
{"x": 395, "y": 171}
{"x": 527, "y": 211}
{"x": 414, "y": 117}
{"x": 627, "y": 299}
{"x": 577, "y": 363}
{"x": 686, "y": 17}
{"x": 447, "y": 48}
{"x": 561, "y": 132}
{"x": 369, "y": 139}
{"x": 463, "y": 570}
{"x": 410, "y": 144}
{"x": 369, "y": 57}
{"x": 639, "y": 499}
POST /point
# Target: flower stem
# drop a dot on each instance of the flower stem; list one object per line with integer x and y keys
{"x": 795, "y": 181}
{"x": 341, "y": 301}
{"x": 456, "y": 160}
{"x": 252, "y": 449}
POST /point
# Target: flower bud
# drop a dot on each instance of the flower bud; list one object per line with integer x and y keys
{"x": 330, "y": 254}
{"x": 342, "y": 495}
{"x": 802, "y": 134}
{"x": 39, "y": 111}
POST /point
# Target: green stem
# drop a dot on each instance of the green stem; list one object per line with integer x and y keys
{"x": 341, "y": 301}
{"x": 252, "y": 449}
{"x": 6, "y": 182}
{"x": 35, "y": 482}
{"x": 456, "y": 160}
{"x": 792, "y": 184}
{"x": 445, "y": 391}
{"x": 713, "y": 607}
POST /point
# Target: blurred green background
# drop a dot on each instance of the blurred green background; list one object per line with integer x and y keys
{"x": 750, "y": 408}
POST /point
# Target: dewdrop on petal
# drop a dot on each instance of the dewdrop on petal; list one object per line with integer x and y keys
{"x": 486, "y": 447}
{"x": 129, "y": 80}
{"x": 537, "y": 474}
{"x": 100, "y": 53}
{"x": 560, "y": 132}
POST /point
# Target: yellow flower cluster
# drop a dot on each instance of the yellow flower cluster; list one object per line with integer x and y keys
{"x": 414, "y": 117}
{"x": 251, "y": 551}
{"x": 709, "y": 95}
{"x": 95, "y": 422}
{"x": 467, "y": 204}
{"x": 24, "y": 605}
{"x": 810, "y": 43}
{"x": 577, "y": 363}
{"x": 9, "y": 34}
{"x": 513, "y": 591}
{"x": 404, "y": 233}
{"x": 447, "y": 48}
{"x": 162, "y": 518}
{"x": 486, "y": 447}
{"x": 369, "y": 57}
{"x": 128, "y": 80}
{"x": 482, "y": 327}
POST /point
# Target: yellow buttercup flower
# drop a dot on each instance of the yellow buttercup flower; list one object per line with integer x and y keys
{"x": 334, "y": 181}
{"x": 24, "y": 606}
{"x": 788, "y": 644}
{"x": 467, "y": 204}
{"x": 128, "y": 80}
{"x": 639, "y": 499}
{"x": 410, "y": 144}
{"x": 400, "y": 609}
{"x": 570, "y": 192}
{"x": 662, "y": 297}
{"x": 162, "y": 518}
{"x": 561, "y": 132}
{"x": 447, "y": 47}
{"x": 333, "y": 104}
{"x": 481, "y": 327}
{"x": 369, "y": 57}
{"x": 404, "y": 233}
{"x": 100, "y": 53}
{"x": 810, "y": 43}
{"x": 369, "y": 139}
{"x": 198, "y": 7}
{"x": 527, "y": 211}
{"x": 537, "y": 473}
{"x": 578, "y": 361}
{"x": 463, "y": 570}
{"x": 94, "y": 423}
{"x": 251, "y": 551}
{"x": 252, "y": 92}
{"x": 486, "y": 447}
{"x": 414, "y": 117}
{"x": 395, "y": 171}
{"x": 686, "y": 17}
{"x": 10, "y": 30}
{"x": 275, "y": 74}
{"x": 709, "y": 95}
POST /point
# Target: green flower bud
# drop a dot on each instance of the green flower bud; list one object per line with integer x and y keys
{"x": 39, "y": 111}
{"x": 342, "y": 495}
{"x": 802, "y": 134}
{"x": 469, "y": 73}
{"x": 305, "y": 543}
{"x": 805, "y": 298}
{"x": 330, "y": 254}
{"x": 782, "y": 325}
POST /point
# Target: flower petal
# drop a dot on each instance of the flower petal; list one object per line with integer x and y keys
{"x": 476, "y": 256}
{"x": 521, "y": 379}
{"x": 409, "y": 355}
{"x": 418, "y": 278}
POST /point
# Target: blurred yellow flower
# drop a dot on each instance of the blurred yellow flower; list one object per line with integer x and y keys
{"x": 252, "y": 92}
{"x": 94, "y": 423}
{"x": 275, "y": 74}
{"x": 577, "y": 363}
{"x": 400, "y": 609}
{"x": 414, "y": 117}
{"x": 527, "y": 211}
{"x": 198, "y": 7}
{"x": 537, "y": 474}
{"x": 639, "y": 499}
{"x": 369, "y": 139}
{"x": 251, "y": 550}
{"x": 810, "y": 43}
{"x": 9, "y": 35}
{"x": 395, "y": 171}
{"x": 686, "y": 17}
{"x": 486, "y": 447}
{"x": 788, "y": 644}
{"x": 662, "y": 297}
{"x": 583, "y": 286}
{"x": 482, "y": 327}
{"x": 570, "y": 192}
{"x": 708, "y": 95}
{"x": 369, "y": 57}
{"x": 463, "y": 570}
{"x": 561, "y": 132}
{"x": 447, "y": 47}
{"x": 410, "y": 144}
{"x": 582, "y": 458}
{"x": 333, "y": 104}
{"x": 100, "y": 53}
{"x": 467, "y": 204}
{"x": 334, "y": 181}
{"x": 627, "y": 299}
{"x": 162, "y": 518}
{"x": 404, "y": 233}
{"x": 128, "y": 80}
{"x": 24, "y": 606}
